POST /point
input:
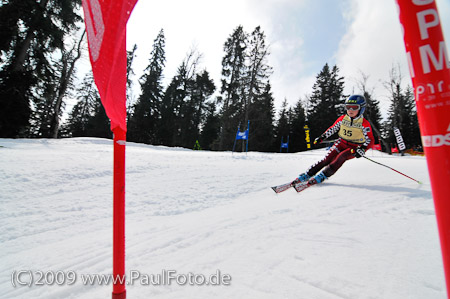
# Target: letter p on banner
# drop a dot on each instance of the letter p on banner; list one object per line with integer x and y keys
{"x": 430, "y": 72}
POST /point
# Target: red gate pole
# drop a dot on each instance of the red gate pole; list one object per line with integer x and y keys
{"x": 106, "y": 31}
{"x": 119, "y": 291}
{"x": 429, "y": 67}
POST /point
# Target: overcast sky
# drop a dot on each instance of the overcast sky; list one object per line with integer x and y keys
{"x": 357, "y": 35}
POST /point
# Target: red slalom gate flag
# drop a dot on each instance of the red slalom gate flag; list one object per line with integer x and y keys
{"x": 429, "y": 67}
{"x": 106, "y": 31}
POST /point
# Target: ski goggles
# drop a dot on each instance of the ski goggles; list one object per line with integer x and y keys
{"x": 352, "y": 107}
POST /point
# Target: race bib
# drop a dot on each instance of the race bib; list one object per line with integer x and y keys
{"x": 352, "y": 131}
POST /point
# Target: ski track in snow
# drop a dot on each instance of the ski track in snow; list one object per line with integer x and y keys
{"x": 367, "y": 232}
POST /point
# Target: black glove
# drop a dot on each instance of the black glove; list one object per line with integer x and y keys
{"x": 358, "y": 152}
{"x": 319, "y": 139}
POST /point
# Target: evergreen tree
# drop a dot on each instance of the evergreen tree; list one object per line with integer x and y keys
{"x": 167, "y": 128}
{"x": 326, "y": 100}
{"x": 234, "y": 72}
{"x": 184, "y": 103}
{"x": 245, "y": 93}
{"x": 297, "y": 123}
{"x": 261, "y": 117}
{"x": 30, "y": 32}
{"x": 88, "y": 117}
{"x": 373, "y": 115}
{"x": 99, "y": 124}
{"x": 413, "y": 130}
{"x": 77, "y": 124}
{"x": 130, "y": 73}
{"x": 175, "y": 99}
{"x": 194, "y": 108}
{"x": 402, "y": 113}
{"x": 283, "y": 126}
{"x": 211, "y": 128}
{"x": 146, "y": 115}
{"x": 258, "y": 71}
{"x": 48, "y": 107}
{"x": 39, "y": 121}
{"x": 258, "y": 99}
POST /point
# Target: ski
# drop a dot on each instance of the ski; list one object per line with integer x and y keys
{"x": 281, "y": 188}
{"x": 304, "y": 185}
{"x": 301, "y": 186}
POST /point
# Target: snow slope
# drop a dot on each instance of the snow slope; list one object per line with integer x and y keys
{"x": 368, "y": 232}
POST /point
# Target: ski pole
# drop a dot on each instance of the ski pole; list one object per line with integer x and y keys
{"x": 393, "y": 170}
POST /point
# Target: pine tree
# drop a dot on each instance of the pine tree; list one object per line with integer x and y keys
{"x": 258, "y": 98}
{"x": 48, "y": 107}
{"x": 177, "y": 102}
{"x": 130, "y": 73}
{"x": 326, "y": 100}
{"x": 245, "y": 93}
{"x": 261, "y": 117}
{"x": 413, "y": 130}
{"x": 184, "y": 103}
{"x": 211, "y": 128}
{"x": 146, "y": 114}
{"x": 373, "y": 115}
{"x": 31, "y": 31}
{"x": 77, "y": 124}
{"x": 402, "y": 113}
{"x": 167, "y": 126}
{"x": 297, "y": 123}
{"x": 234, "y": 72}
{"x": 194, "y": 108}
{"x": 283, "y": 126}
{"x": 99, "y": 124}
{"x": 258, "y": 71}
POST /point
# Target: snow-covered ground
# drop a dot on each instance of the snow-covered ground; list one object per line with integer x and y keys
{"x": 368, "y": 232}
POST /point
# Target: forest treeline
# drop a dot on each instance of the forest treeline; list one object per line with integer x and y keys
{"x": 41, "y": 43}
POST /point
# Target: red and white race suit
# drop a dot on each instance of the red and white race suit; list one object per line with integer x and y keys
{"x": 353, "y": 133}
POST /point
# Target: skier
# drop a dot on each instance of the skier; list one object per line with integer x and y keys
{"x": 355, "y": 138}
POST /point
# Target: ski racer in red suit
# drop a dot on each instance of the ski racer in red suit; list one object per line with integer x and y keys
{"x": 355, "y": 138}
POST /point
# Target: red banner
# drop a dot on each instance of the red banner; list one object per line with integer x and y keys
{"x": 106, "y": 29}
{"x": 430, "y": 72}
